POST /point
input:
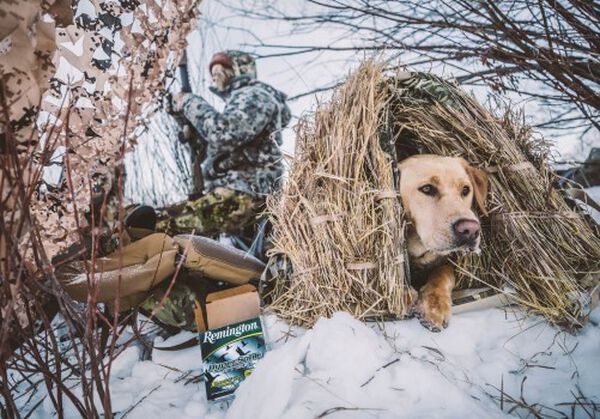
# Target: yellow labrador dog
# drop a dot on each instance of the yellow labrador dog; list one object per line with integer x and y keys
{"x": 437, "y": 194}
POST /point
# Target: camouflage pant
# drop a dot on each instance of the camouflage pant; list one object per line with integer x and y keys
{"x": 220, "y": 211}
{"x": 175, "y": 307}
{"x": 143, "y": 271}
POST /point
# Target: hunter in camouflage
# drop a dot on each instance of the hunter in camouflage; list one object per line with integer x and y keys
{"x": 223, "y": 210}
{"x": 243, "y": 142}
{"x": 243, "y": 161}
{"x": 241, "y": 166}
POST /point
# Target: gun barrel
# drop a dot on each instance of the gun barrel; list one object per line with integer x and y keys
{"x": 184, "y": 76}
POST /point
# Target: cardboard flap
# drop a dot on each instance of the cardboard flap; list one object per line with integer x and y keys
{"x": 232, "y": 306}
{"x": 214, "y": 296}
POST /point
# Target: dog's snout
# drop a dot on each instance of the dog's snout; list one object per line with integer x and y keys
{"x": 466, "y": 231}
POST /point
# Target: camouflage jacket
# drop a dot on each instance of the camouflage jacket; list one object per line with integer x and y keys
{"x": 243, "y": 142}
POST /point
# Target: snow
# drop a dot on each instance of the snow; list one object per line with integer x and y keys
{"x": 594, "y": 193}
{"x": 490, "y": 363}
{"x": 348, "y": 369}
{"x": 401, "y": 370}
{"x": 181, "y": 360}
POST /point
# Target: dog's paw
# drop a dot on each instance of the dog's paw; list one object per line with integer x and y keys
{"x": 433, "y": 309}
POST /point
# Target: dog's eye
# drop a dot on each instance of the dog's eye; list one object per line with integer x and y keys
{"x": 466, "y": 190}
{"x": 428, "y": 190}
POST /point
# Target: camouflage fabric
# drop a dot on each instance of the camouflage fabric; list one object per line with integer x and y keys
{"x": 127, "y": 274}
{"x": 243, "y": 63}
{"x": 428, "y": 88}
{"x": 221, "y": 211}
{"x": 177, "y": 307}
{"x": 242, "y": 142}
{"x": 27, "y": 43}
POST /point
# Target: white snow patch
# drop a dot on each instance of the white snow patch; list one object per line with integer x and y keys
{"x": 183, "y": 360}
{"x": 266, "y": 393}
{"x": 594, "y": 193}
{"x": 124, "y": 363}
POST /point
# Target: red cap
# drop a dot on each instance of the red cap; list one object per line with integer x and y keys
{"x": 220, "y": 58}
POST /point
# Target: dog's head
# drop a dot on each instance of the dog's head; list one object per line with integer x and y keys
{"x": 437, "y": 194}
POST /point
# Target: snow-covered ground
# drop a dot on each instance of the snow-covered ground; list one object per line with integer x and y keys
{"x": 490, "y": 363}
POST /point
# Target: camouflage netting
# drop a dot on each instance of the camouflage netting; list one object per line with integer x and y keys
{"x": 331, "y": 213}
{"x": 77, "y": 79}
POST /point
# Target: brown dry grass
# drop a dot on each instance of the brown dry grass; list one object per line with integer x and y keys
{"x": 339, "y": 221}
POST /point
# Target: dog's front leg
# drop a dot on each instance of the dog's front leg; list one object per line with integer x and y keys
{"x": 434, "y": 306}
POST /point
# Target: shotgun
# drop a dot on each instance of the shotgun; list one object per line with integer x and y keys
{"x": 188, "y": 135}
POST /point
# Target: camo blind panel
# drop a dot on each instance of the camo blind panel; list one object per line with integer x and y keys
{"x": 79, "y": 77}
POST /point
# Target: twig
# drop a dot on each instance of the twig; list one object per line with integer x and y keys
{"x": 136, "y": 404}
{"x": 342, "y": 408}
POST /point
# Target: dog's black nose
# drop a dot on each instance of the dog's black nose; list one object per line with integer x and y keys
{"x": 466, "y": 231}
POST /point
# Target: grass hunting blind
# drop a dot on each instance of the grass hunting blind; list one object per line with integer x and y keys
{"x": 338, "y": 226}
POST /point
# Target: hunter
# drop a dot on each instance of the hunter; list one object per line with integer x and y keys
{"x": 243, "y": 163}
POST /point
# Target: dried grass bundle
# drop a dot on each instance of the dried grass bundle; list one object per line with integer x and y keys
{"x": 339, "y": 222}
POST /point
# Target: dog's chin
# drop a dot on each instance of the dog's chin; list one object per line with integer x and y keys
{"x": 454, "y": 247}
{"x": 441, "y": 249}
{"x": 472, "y": 247}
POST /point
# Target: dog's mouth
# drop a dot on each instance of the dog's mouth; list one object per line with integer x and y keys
{"x": 456, "y": 247}
{"x": 470, "y": 248}
{"x": 467, "y": 246}
{"x": 461, "y": 236}
{"x": 451, "y": 243}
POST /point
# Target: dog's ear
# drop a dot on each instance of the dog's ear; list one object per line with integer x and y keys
{"x": 479, "y": 180}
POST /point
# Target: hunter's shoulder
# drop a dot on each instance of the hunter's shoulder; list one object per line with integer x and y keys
{"x": 258, "y": 89}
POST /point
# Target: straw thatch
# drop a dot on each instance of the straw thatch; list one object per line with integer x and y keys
{"x": 339, "y": 223}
